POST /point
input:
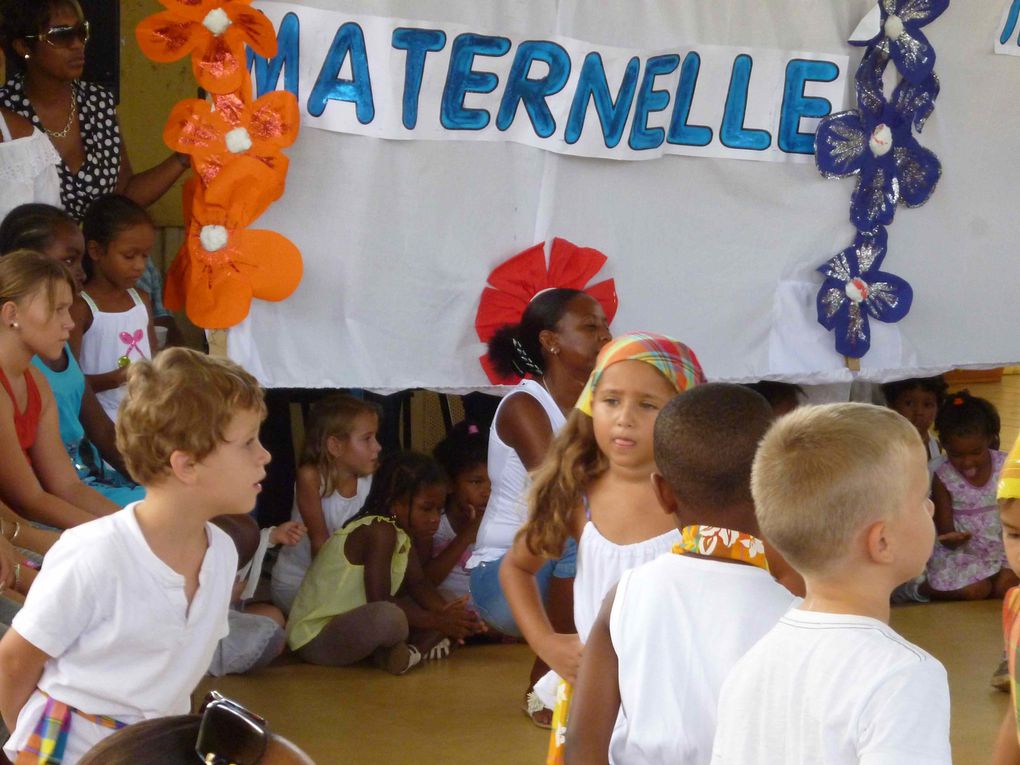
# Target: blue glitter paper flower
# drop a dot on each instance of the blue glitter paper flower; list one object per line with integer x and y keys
{"x": 876, "y": 142}
{"x": 900, "y": 36}
{"x": 855, "y": 289}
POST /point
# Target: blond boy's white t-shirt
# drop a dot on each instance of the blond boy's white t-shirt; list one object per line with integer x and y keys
{"x": 678, "y": 624}
{"x": 115, "y": 620}
{"x": 834, "y": 689}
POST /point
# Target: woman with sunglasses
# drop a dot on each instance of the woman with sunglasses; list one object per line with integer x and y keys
{"x": 44, "y": 42}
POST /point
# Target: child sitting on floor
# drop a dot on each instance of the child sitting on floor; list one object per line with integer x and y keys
{"x": 637, "y": 699}
{"x": 463, "y": 455}
{"x": 122, "y": 622}
{"x": 919, "y": 399}
{"x": 256, "y": 628}
{"x": 339, "y": 457}
{"x": 347, "y": 608}
{"x": 969, "y": 562}
{"x": 842, "y": 492}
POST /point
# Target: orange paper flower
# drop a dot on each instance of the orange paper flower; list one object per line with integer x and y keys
{"x": 224, "y": 264}
{"x": 214, "y": 33}
{"x": 516, "y": 281}
{"x": 213, "y": 134}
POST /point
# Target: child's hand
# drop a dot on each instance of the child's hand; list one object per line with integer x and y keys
{"x": 289, "y": 533}
{"x": 474, "y": 520}
{"x": 954, "y": 539}
{"x": 563, "y": 653}
{"x": 458, "y": 621}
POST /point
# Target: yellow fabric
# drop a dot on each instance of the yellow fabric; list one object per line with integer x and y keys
{"x": 334, "y": 585}
{"x": 558, "y": 735}
{"x": 1009, "y": 477}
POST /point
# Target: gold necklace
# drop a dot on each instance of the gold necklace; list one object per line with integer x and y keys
{"x": 70, "y": 118}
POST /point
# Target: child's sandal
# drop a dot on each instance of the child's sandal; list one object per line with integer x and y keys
{"x": 540, "y": 714}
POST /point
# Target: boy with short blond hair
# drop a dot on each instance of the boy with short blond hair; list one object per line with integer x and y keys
{"x": 123, "y": 620}
{"x": 841, "y": 491}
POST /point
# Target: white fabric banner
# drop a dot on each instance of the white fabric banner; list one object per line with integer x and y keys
{"x": 414, "y": 80}
{"x": 398, "y": 237}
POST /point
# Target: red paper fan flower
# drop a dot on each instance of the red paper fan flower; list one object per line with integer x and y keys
{"x": 516, "y": 281}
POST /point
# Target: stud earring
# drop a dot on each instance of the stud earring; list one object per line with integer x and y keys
{"x": 27, "y": 56}
{"x": 555, "y": 351}
{"x": 14, "y": 325}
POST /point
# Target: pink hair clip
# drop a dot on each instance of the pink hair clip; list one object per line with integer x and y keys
{"x": 473, "y": 430}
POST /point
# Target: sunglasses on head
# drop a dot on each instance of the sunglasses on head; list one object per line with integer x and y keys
{"x": 229, "y": 734}
{"x": 64, "y": 36}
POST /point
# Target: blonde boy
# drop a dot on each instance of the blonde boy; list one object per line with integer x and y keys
{"x": 123, "y": 619}
{"x": 1007, "y": 748}
{"x": 842, "y": 492}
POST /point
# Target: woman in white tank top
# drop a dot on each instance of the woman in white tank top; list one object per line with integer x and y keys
{"x": 555, "y": 345}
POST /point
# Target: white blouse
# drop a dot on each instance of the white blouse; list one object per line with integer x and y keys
{"x": 28, "y": 170}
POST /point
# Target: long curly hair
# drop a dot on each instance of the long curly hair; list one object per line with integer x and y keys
{"x": 573, "y": 462}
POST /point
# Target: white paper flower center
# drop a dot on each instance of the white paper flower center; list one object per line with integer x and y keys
{"x": 857, "y": 290}
{"x": 215, "y": 238}
{"x": 238, "y": 140}
{"x": 893, "y": 26}
{"x": 216, "y": 21}
{"x": 881, "y": 140}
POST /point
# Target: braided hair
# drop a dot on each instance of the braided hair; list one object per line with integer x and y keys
{"x": 399, "y": 479}
{"x": 514, "y": 349}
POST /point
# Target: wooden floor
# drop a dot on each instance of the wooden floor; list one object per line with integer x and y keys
{"x": 465, "y": 710}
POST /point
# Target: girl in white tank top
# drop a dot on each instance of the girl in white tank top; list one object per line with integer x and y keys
{"x": 340, "y": 455}
{"x": 595, "y": 486}
{"x": 113, "y": 321}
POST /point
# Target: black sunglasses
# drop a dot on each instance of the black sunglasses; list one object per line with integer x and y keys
{"x": 229, "y": 734}
{"x": 64, "y": 36}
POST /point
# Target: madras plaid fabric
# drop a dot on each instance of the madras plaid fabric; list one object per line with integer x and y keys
{"x": 49, "y": 739}
{"x": 1009, "y": 476}
{"x": 671, "y": 357}
{"x": 1011, "y": 634}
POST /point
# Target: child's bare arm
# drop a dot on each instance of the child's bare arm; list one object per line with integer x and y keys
{"x": 151, "y": 328}
{"x": 1007, "y": 747}
{"x": 944, "y": 526}
{"x": 517, "y": 577}
{"x": 309, "y": 502}
{"x": 100, "y": 429}
{"x": 596, "y": 700}
{"x": 439, "y": 566}
{"x": 21, "y": 666}
{"x": 288, "y": 533}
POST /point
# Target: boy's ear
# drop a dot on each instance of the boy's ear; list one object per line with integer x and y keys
{"x": 664, "y": 493}
{"x": 184, "y": 467}
{"x": 878, "y": 544}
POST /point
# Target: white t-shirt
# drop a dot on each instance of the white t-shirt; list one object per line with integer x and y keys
{"x": 458, "y": 581}
{"x": 507, "y": 509}
{"x": 116, "y": 622}
{"x": 834, "y": 689}
{"x": 293, "y": 562}
{"x": 678, "y": 625}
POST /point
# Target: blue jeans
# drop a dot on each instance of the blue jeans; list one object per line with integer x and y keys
{"x": 488, "y": 597}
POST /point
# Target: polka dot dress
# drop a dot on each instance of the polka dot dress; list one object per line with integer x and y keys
{"x": 100, "y": 136}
